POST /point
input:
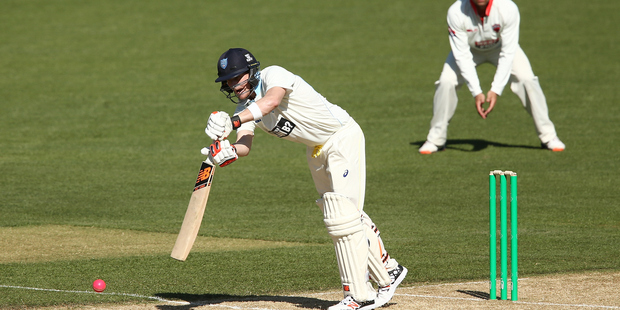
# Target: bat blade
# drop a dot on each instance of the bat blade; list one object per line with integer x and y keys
{"x": 195, "y": 212}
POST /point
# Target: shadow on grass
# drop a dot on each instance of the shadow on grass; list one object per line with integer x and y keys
{"x": 477, "y": 294}
{"x": 476, "y": 145}
{"x": 195, "y": 300}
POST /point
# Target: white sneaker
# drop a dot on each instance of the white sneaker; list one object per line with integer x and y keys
{"x": 386, "y": 293}
{"x": 555, "y": 145}
{"x": 348, "y": 303}
{"x": 428, "y": 148}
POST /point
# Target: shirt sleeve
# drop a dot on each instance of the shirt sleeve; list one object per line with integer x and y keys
{"x": 277, "y": 76}
{"x": 461, "y": 50}
{"x": 510, "y": 43}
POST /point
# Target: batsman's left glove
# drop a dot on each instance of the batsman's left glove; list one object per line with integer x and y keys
{"x": 221, "y": 153}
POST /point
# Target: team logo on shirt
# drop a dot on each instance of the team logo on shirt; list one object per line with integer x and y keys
{"x": 496, "y": 27}
{"x": 224, "y": 63}
{"x": 346, "y": 172}
{"x": 486, "y": 43}
{"x": 283, "y": 128}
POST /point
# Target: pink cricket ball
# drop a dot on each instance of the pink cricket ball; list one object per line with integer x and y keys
{"x": 99, "y": 285}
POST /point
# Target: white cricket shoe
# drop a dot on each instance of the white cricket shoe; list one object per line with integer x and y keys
{"x": 428, "y": 148}
{"x": 386, "y": 293}
{"x": 348, "y": 303}
{"x": 555, "y": 145}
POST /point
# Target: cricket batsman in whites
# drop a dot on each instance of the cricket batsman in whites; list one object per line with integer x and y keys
{"x": 487, "y": 31}
{"x": 285, "y": 106}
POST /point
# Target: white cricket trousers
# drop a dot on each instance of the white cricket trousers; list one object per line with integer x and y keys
{"x": 522, "y": 81}
{"x": 341, "y": 168}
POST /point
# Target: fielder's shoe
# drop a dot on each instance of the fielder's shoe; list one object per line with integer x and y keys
{"x": 555, "y": 145}
{"x": 348, "y": 303}
{"x": 429, "y": 148}
{"x": 387, "y": 292}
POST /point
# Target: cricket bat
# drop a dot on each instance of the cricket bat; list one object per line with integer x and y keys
{"x": 195, "y": 212}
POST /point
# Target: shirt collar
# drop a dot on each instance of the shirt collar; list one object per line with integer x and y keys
{"x": 486, "y": 12}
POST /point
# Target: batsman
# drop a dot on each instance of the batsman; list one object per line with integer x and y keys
{"x": 287, "y": 107}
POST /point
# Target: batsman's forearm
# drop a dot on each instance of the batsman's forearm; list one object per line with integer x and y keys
{"x": 244, "y": 143}
{"x": 242, "y": 150}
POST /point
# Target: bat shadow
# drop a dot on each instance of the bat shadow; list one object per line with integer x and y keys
{"x": 476, "y": 145}
{"x": 196, "y": 300}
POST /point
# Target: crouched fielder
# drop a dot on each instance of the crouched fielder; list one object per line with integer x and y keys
{"x": 487, "y": 31}
{"x": 285, "y": 106}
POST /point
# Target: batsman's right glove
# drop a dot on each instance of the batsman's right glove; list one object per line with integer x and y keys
{"x": 219, "y": 126}
{"x": 221, "y": 153}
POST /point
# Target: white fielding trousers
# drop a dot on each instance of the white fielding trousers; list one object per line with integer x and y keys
{"x": 522, "y": 81}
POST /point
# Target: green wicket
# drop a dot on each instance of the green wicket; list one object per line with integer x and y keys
{"x": 503, "y": 234}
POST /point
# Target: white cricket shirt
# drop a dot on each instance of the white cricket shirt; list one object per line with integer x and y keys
{"x": 496, "y": 32}
{"x": 303, "y": 116}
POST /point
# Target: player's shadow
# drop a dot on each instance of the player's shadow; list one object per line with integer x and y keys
{"x": 475, "y": 145}
{"x": 477, "y": 294}
{"x": 196, "y": 300}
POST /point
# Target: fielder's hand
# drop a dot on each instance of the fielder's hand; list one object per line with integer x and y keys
{"x": 480, "y": 99}
{"x": 221, "y": 153}
{"x": 219, "y": 126}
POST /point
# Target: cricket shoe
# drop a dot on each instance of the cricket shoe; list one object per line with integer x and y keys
{"x": 429, "y": 148}
{"x": 348, "y": 303}
{"x": 555, "y": 145}
{"x": 386, "y": 293}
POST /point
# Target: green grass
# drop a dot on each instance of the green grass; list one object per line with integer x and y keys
{"x": 103, "y": 105}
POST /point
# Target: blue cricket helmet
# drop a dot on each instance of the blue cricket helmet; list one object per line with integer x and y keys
{"x": 234, "y": 62}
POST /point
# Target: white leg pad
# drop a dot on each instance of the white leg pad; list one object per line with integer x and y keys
{"x": 344, "y": 225}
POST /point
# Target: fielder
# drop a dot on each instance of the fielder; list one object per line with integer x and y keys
{"x": 487, "y": 31}
{"x": 285, "y": 106}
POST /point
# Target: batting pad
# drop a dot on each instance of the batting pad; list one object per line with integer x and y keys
{"x": 344, "y": 225}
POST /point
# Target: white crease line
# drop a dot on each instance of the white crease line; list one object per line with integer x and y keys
{"x": 514, "y": 302}
{"x": 236, "y": 307}
{"x": 102, "y": 293}
{"x": 452, "y": 284}
{"x": 566, "y": 305}
{"x": 199, "y": 303}
{"x": 485, "y": 282}
{"x": 479, "y": 299}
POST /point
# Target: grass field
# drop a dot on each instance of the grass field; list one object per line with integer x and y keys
{"x": 102, "y": 111}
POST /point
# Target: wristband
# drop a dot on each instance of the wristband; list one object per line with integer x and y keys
{"x": 236, "y": 122}
{"x": 255, "y": 110}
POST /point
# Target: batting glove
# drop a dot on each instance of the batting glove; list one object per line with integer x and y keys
{"x": 205, "y": 152}
{"x": 221, "y": 153}
{"x": 219, "y": 126}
